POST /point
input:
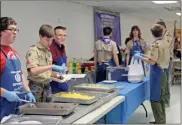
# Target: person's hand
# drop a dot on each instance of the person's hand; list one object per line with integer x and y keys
{"x": 141, "y": 54}
{"x": 11, "y": 96}
{"x": 136, "y": 56}
{"x": 58, "y": 68}
{"x": 65, "y": 67}
{"x": 30, "y": 96}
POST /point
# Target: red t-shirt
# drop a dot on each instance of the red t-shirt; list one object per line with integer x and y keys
{"x": 8, "y": 51}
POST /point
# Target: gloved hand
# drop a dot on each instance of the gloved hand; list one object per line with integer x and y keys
{"x": 30, "y": 96}
{"x": 58, "y": 68}
{"x": 11, "y": 96}
{"x": 136, "y": 56}
{"x": 64, "y": 66}
{"x": 141, "y": 54}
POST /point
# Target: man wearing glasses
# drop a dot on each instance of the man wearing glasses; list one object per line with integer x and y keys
{"x": 39, "y": 65}
{"x": 13, "y": 83}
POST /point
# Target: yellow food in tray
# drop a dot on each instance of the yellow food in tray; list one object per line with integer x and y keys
{"x": 74, "y": 95}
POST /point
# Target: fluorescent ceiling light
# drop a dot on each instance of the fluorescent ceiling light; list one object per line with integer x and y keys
{"x": 179, "y": 14}
{"x": 164, "y": 2}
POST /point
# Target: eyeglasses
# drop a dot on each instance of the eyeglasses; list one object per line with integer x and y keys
{"x": 13, "y": 30}
{"x": 60, "y": 35}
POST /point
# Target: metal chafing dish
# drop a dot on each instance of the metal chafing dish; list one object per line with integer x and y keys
{"x": 95, "y": 87}
{"x": 56, "y": 98}
{"x": 48, "y": 108}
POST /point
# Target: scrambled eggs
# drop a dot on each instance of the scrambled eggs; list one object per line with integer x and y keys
{"x": 74, "y": 95}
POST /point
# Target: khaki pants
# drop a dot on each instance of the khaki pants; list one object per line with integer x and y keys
{"x": 169, "y": 81}
{"x": 158, "y": 107}
{"x": 41, "y": 91}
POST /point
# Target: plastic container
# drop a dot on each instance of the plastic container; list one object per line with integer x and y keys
{"x": 117, "y": 74}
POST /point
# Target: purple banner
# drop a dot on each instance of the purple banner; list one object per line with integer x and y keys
{"x": 103, "y": 19}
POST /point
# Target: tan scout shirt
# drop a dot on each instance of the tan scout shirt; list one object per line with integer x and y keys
{"x": 169, "y": 41}
{"x": 37, "y": 56}
{"x": 159, "y": 53}
{"x": 129, "y": 46}
{"x": 104, "y": 52}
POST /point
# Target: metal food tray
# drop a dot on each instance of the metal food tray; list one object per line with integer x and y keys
{"x": 44, "y": 108}
{"x": 106, "y": 88}
{"x": 44, "y": 119}
{"x": 82, "y": 110}
{"x": 79, "y": 101}
{"x": 79, "y": 111}
{"x": 94, "y": 93}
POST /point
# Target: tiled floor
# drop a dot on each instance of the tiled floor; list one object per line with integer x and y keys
{"x": 173, "y": 112}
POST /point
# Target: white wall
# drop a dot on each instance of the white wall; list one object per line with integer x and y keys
{"x": 30, "y": 15}
{"x": 127, "y": 21}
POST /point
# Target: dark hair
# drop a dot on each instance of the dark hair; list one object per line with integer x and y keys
{"x": 107, "y": 31}
{"x": 135, "y": 28}
{"x": 127, "y": 40}
{"x": 161, "y": 22}
{"x": 59, "y": 27}
{"x": 5, "y": 22}
{"x": 46, "y": 31}
{"x": 157, "y": 31}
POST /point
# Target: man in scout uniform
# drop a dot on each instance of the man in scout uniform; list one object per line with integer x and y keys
{"x": 167, "y": 36}
{"x": 158, "y": 58}
{"x": 39, "y": 65}
{"x": 105, "y": 54}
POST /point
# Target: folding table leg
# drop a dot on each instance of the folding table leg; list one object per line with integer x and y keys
{"x": 145, "y": 109}
{"x": 105, "y": 119}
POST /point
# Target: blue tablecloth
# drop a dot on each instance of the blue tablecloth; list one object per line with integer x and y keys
{"x": 135, "y": 94}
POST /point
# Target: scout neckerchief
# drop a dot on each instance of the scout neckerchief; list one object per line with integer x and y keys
{"x": 106, "y": 40}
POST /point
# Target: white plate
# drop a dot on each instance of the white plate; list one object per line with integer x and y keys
{"x": 30, "y": 122}
{"x": 109, "y": 81}
{"x": 68, "y": 77}
{"x": 65, "y": 78}
{"x": 76, "y": 76}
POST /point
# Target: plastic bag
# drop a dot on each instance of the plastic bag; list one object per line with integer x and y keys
{"x": 136, "y": 71}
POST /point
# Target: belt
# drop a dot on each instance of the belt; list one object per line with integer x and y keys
{"x": 43, "y": 85}
{"x": 164, "y": 69}
{"x": 100, "y": 63}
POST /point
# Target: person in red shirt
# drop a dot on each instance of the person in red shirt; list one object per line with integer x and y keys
{"x": 13, "y": 82}
{"x": 58, "y": 52}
